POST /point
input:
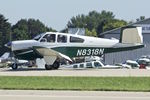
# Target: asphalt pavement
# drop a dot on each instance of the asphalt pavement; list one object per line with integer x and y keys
{"x": 71, "y": 95}
{"x": 75, "y": 72}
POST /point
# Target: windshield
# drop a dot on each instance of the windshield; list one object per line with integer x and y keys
{"x": 38, "y": 36}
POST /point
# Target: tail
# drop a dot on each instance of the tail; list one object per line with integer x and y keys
{"x": 131, "y": 35}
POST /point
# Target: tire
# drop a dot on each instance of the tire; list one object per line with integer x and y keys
{"x": 14, "y": 66}
{"x": 56, "y": 65}
{"x": 48, "y": 67}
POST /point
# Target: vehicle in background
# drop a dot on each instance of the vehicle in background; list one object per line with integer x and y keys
{"x": 94, "y": 64}
{"x": 130, "y": 64}
{"x": 7, "y": 60}
{"x": 92, "y": 58}
{"x": 144, "y": 63}
{"x": 5, "y": 57}
{"x": 15, "y": 63}
{"x": 91, "y": 64}
{"x": 145, "y": 56}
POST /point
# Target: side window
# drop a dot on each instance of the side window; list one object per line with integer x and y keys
{"x": 97, "y": 64}
{"x": 81, "y": 65}
{"x": 48, "y": 38}
{"x": 89, "y": 65}
{"x": 75, "y": 66}
{"x": 76, "y": 40}
{"x": 62, "y": 39}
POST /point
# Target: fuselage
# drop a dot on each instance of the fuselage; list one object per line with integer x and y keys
{"x": 68, "y": 44}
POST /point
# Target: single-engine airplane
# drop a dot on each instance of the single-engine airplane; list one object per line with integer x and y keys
{"x": 53, "y": 46}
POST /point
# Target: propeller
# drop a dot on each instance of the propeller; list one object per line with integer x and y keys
{"x": 9, "y": 45}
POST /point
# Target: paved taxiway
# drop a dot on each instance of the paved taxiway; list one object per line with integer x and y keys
{"x": 73, "y": 72}
{"x": 71, "y": 95}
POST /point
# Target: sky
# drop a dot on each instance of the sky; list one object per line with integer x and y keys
{"x": 57, "y": 13}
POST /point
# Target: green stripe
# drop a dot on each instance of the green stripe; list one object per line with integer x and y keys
{"x": 27, "y": 56}
{"x": 72, "y": 51}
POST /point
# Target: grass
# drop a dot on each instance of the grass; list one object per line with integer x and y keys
{"x": 76, "y": 83}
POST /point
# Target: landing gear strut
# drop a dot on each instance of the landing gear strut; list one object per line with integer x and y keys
{"x": 55, "y": 65}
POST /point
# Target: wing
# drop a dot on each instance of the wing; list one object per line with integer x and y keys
{"x": 44, "y": 51}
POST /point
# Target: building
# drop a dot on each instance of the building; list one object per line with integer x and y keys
{"x": 120, "y": 57}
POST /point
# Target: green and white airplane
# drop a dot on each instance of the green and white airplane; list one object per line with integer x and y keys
{"x": 53, "y": 46}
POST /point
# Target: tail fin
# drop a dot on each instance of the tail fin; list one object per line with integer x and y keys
{"x": 131, "y": 35}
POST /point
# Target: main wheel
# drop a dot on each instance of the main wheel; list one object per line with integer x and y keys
{"x": 14, "y": 66}
{"x": 48, "y": 67}
{"x": 56, "y": 65}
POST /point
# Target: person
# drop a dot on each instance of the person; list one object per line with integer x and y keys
{"x": 51, "y": 38}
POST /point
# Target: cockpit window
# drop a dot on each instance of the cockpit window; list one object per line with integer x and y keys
{"x": 38, "y": 36}
{"x": 48, "y": 38}
{"x": 76, "y": 40}
{"x": 62, "y": 39}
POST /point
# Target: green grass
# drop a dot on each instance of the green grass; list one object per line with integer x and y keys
{"x": 76, "y": 83}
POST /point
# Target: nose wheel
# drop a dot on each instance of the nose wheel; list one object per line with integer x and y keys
{"x": 14, "y": 66}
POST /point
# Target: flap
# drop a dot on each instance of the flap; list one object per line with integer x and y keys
{"x": 49, "y": 52}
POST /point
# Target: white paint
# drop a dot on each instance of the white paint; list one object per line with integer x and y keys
{"x": 40, "y": 63}
{"x": 88, "y": 42}
{"x": 50, "y": 59}
{"x": 88, "y": 52}
{"x": 132, "y": 36}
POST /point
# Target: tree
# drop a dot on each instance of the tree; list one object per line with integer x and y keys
{"x": 115, "y": 23}
{"x": 90, "y": 33}
{"x": 5, "y": 30}
{"x": 98, "y": 21}
{"x": 20, "y": 30}
{"x": 27, "y": 29}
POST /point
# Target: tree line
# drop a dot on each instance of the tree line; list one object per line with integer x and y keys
{"x": 94, "y": 23}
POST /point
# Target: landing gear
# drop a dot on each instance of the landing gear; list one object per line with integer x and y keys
{"x": 14, "y": 66}
{"x": 48, "y": 67}
{"x": 55, "y": 65}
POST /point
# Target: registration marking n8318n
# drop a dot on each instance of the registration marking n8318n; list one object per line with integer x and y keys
{"x": 88, "y": 52}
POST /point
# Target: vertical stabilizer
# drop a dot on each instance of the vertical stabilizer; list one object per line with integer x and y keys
{"x": 131, "y": 35}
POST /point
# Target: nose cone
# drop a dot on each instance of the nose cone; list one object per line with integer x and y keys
{"x": 9, "y": 44}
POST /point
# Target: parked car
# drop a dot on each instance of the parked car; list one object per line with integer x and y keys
{"x": 130, "y": 64}
{"x": 94, "y": 64}
{"x": 146, "y": 56}
{"x": 91, "y": 64}
{"x": 144, "y": 63}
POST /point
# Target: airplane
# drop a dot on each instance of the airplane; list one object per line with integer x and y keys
{"x": 5, "y": 57}
{"x": 53, "y": 46}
